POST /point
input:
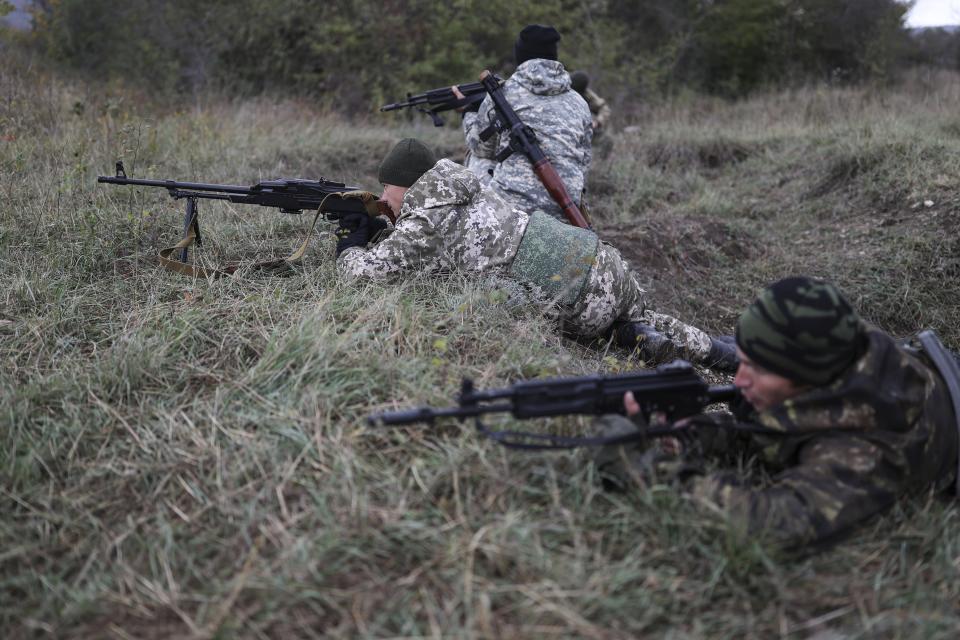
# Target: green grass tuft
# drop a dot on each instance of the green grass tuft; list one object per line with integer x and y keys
{"x": 190, "y": 458}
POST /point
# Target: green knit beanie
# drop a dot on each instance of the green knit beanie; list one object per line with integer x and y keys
{"x": 407, "y": 161}
{"x": 801, "y": 329}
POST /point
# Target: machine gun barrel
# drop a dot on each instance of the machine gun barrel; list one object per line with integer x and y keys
{"x": 174, "y": 185}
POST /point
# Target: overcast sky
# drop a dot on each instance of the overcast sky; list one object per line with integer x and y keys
{"x": 934, "y": 13}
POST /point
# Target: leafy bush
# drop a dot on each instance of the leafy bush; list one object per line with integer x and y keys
{"x": 354, "y": 54}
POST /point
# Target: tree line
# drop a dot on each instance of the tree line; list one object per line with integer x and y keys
{"x": 354, "y": 54}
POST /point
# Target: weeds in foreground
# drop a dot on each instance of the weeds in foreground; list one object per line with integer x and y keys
{"x": 189, "y": 458}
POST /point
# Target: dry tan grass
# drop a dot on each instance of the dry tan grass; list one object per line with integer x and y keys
{"x": 189, "y": 459}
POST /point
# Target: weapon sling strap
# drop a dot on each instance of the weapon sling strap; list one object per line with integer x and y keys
{"x": 531, "y": 441}
{"x": 277, "y": 265}
{"x": 949, "y": 371}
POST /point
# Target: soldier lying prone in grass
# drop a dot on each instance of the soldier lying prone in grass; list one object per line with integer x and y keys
{"x": 447, "y": 221}
{"x": 844, "y": 418}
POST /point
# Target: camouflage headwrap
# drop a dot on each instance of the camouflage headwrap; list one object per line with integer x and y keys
{"x": 801, "y": 329}
{"x": 579, "y": 81}
{"x": 407, "y": 161}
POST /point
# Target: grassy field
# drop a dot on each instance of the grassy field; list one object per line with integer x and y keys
{"x": 189, "y": 458}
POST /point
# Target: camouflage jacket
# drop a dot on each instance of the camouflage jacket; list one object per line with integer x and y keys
{"x": 599, "y": 108}
{"x": 539, "y": 92}
{"x": 447, "y": 221}
{"x": 840, "y": 453}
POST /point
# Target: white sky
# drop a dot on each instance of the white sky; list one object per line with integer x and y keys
{"x": 934, "y": 13}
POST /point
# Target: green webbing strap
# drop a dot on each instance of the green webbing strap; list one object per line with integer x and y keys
{"x": 277, "y": 265}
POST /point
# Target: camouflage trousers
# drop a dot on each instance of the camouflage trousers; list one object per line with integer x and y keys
{"x": 611, "y": 294}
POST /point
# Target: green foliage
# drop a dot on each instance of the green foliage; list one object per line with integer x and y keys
{"x": 935, "y": 48}
{"x": 355, "y": 54}
{"x": 742, "y": 44}
{"x": 157, "y": 43}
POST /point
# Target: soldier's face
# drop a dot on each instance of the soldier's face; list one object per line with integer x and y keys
{"x": 393, "y": 196}
{"x": 763, "y": 389}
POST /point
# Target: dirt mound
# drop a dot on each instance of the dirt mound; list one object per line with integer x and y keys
{"x": 842, "y": 172}
{"x": 710, "y": 154}
{"x": 682, "y": 243}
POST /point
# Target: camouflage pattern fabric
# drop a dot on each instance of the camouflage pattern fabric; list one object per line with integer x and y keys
{"x": 602, "y": 138}
{"x": 481, "y": 167}
{"x": 539, "y": 92}
{"x": 801, "y": 329}
{"x": 839, "y": 453}
{"x": 612, "y": 294}
{"x": 599, "y": 109}
{"x": 447, "y": 221}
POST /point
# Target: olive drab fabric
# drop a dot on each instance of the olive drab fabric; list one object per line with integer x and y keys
{"x": 407, "y": 161}
{"x": 540, "y": 94}
{"x": 448, "y": 221}
{"x": 838, "y": 453}
{"x": 556, "y": 256}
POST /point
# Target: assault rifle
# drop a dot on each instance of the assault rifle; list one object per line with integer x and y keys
{"x": 523, "y": 139}
{"x": 443, "y": 99}
{"x": 673, "y": 389}
{"x": 289, "y": 195}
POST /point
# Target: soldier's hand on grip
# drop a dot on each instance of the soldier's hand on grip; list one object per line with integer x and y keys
{"x": 368, "y": 199}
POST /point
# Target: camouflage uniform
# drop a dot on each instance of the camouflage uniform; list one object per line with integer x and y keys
{"x": 838, "y": 453}
{"x": 602, "y": 140}
{"x": 447, "y": 221}
{"x": 481, "y": 167}
{"x": 599, "y": 108}
{"x": 539, "y": 92}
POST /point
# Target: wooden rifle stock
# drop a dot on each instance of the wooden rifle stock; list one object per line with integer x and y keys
{"x": 554, "y": 186}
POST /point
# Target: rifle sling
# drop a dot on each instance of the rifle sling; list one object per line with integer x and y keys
{"x": 276, "y": 265}
{"x": 949, "y": 371}
{"x": 546, "y": 441}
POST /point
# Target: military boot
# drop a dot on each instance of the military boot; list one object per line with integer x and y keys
{"x": 650, "y": 344}
{"x": 723, "y": 354}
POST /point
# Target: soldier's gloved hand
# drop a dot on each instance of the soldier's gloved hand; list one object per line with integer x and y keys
{"x": 368, "y": 200}
{"x": 353, "y": 230}
{"x": 376, "y": 226}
